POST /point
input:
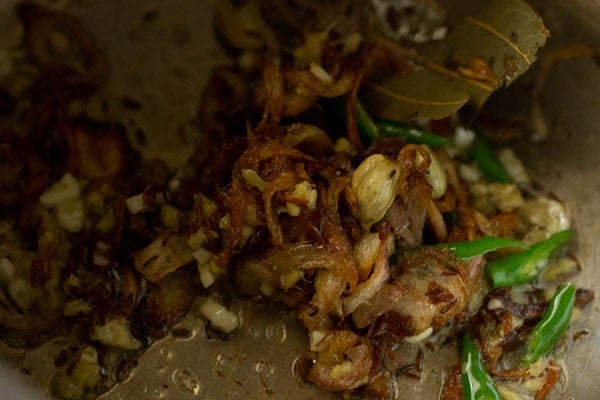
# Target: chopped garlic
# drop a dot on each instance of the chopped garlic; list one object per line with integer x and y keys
{"x": 135, "y": 204}
{"x": 99, "y": 258}
{"x": 559, "y": 269}
{"x": 513, "y": 165}
{"x": 310, "y": 51}
{"x": 106, "y": 223}
{"x": 207, "y": 277}
{"x": 469, "y": 173}
{"x": 340, "y": 370}
{"x": 169, "y": 216}
{"x": 419, "y": 337}
{"x": 71, "y": 383}
{"x": 320, "y": 73}
{"x": 537, "y": 368}
{"x": 535, "y": 235}
{"x": 219, "y": 316}
{"x": 495, "y": 304}
{"x": 343, "y": 146}
{"x": 247, "y": 232}
{"x": 463, "y": 138}
{"x": 95, "y": 203}
{"x": 71, "y": 215}
{"x": 116, "y": 333}
{"x": 533, "y": 384}
{"x": 174, "y": 184}
{"x": 253, "y": 179}
{"x": 198, "y": 238}
{"x": 21, "y": 293}
{"x": 76, "y": 307}
{"x": 267, "y": 289}
{"x": 315, "y": 337}
{"x": 505, "y": 196}
{"x": 292, "y": 209}
{"x": 7, "y": 270}
{"x": 306, "y": 192}
{"x": 509, "y": 393}
{"x": 202, "y": 255}
{"x": 247, "y": 61}
{"x": 208, "y": 206}
{"x": 65, "y": 190}
{"x": 545, "y": 213}
{"x": 224, "y": 222}
{"x": 352, "y": 42}
{"x": 481, "y": 199}
{"x": 488, "y": 197}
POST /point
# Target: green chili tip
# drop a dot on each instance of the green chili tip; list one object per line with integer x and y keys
{"x": 552, "y": 326}
{"x": 488, "y": 162}
{"x": 526, "y": 266}
{"x": 476, "y": 383}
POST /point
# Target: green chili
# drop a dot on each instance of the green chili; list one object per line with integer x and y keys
{"x": 479, "y": 247}
{"x": 488, "y": 162}
{"x": 477, "y": 384}
{"x": 552, "y": 326}
{"x": 366, "y": 125}
{"x": 373, "y": 129}
{"x": 467, "y": 250}
{"x": 410, "y": 133}
{"x": 524, "y": 267}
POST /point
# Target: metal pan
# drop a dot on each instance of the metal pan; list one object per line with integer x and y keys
{"x": 160, "y": 53}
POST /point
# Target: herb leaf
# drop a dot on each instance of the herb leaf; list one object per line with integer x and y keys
{"x": 486, "y": 50}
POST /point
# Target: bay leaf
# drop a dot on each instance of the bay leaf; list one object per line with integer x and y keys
{"x": 423, "y": 93}
{"x": 505, "y": 35}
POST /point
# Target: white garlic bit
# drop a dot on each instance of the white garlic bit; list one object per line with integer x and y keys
{"x": 219, "y": 316}
{"x": 71, "y": 215}
{"x": 513, "y": 165}
{"x": 116, "y": 333}
{"x": 418, "y": 338}
{"x": 62, "y": 191}
{"x": 545, "y": 213}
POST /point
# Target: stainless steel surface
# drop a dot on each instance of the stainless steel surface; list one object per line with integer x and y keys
{"x": 163, "y": 63}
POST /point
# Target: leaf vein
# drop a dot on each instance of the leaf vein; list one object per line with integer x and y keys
{"x": 412, "y": 100}
{"x": 500, "y": 35}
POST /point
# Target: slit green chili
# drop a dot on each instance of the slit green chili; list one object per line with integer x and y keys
{"x": 410, "y": 133}
{"x": 488, "y": 162}
{"x": 373, "y": 129}
{"x": 476, "y": 383}
{"x": 473, "y": 248}
{"x": 479, "y": 247}
{"x": 524, "y": 267}
{"x": 366, "y": 125}
{"x": 552, "y": 326}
